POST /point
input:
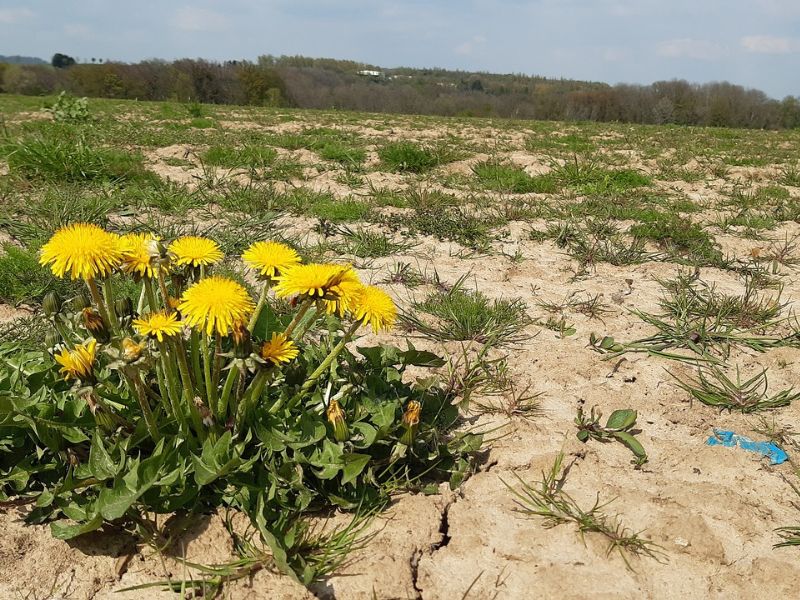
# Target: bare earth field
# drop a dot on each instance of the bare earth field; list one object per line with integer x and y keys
{"x": 576, "y": 229}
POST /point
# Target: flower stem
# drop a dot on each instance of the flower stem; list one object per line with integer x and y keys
{"x": 211, "y": 387}
{"x": 226, "y": 392}
{"x": 194, "y": 346}
{"x": 141, "y": 396}
{"x": 108, "y": 295}
{"x": 324, "y": 365}
{"x": 262, "y": 299}
{"x": 188, "y": 388}
{"x": 251, "y": 396}
{"x": 300, "y": 314}
{"x": 97, "y": 298}
{"x": 151, "y": 295}
{"x": 172, "y": 387}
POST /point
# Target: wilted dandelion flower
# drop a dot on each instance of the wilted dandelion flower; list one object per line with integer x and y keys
{"x": 195, "y": 251}
{"x": 279, "y": 349}
{"x": 158, "y": 325}
{"x": 82, "y": 250}
{"x": 411, "y": 414}
{"x": 77, "y": 363}
{"x": 215, "y": 303}
{"x": 374, "y": 306}
{"x": 92, "y": 320}
{"x": 335, "y": 416}
{"x": 131, "y": 351}
{"x": 270, "y": 259}
{"x": 139, "y": 254}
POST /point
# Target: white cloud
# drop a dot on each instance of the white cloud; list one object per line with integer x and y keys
{"x": 689, "y": 48}
{"x": 15, "y": 15}
{"x": 200, "y": 19}
{"x": 614, "y": 54}
{"x": 76, "y": 30}
{"x": 468, "y": 47}
{"x": 768, "y": 44}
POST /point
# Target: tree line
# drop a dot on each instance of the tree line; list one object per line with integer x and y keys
{"x": 297, "y": 81}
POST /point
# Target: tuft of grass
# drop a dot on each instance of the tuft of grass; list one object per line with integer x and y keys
{"x": 464, "y": 315}
{"x": 503, "y": 177}
{"x": 250, "y": 156}
{"x": 680, "y": 237}
{"x": 454, "y": 224}
{"x": 547, "y": 499}
{"x": 23, "y": 279}
{"x": 369, "y": 244}
{"x": 408, "y": 157}
{"x": 58, "y": 158}
{"x": 713, "y": 388}
{"x": 589, "y": 179}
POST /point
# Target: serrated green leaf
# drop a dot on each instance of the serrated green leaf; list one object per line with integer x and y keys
{"x": 101, "y": 465}
{"x": 63, "y": 530}
{"x": 353, "y": 465}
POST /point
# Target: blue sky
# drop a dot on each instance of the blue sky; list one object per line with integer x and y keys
{"x": 755, "y": 43}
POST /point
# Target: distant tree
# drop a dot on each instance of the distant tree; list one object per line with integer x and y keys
{"x": 62, "y": 61}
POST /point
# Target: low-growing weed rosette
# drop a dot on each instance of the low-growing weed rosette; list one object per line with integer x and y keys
{"x": 191, "y": 394}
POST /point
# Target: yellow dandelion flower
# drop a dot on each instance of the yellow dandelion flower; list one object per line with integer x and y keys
{"x": 139, "y": 254}
{"x": 374, "y": 306}
{"x": 314, "y": 280}
{"x": 346, "y": 294}
{"x": 83, "y": 250}
{"x": 195, "y": 251}
{"x": 279, "y": 349}
{"x": 77, "y": 363}
{"x": 270, "y": 259}
{"x": 158, "y": 325}
{"x": 215, "y": 303}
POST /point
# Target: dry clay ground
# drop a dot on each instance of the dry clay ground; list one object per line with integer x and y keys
{"x": 713, "y": 511}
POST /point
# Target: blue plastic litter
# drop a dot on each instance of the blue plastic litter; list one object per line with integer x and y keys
{"x": 729, "y": 439}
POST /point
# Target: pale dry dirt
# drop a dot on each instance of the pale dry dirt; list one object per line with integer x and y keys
{"x": 713, "y": 511}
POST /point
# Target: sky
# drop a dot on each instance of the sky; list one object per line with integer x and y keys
{"x": 755, "y": 43}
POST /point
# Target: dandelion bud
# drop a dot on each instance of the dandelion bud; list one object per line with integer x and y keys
{"x": 123, "y": 307}
{"x": 81, "y": 301}
{"x": 52, "y": 339}
{"x": 51, "y": 304}
{"x": 336, "y": 419}
{"x": 242, "y": 344}
{"x": 410, "y": 422}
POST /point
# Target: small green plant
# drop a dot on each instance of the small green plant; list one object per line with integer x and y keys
{"x": 365, "y": 243}
{"x": 247, "y": 156}
{"x": 67, "y": 107}
{"x": 620, "y": 426}
{"x": 408, "y": 157}
{"x": 503, "y": 177}
{"x": 548, "y": 500}
{"x": 465, "y": 315}
{"x": 194, "y": 109}
{"x": 714, "y": 388}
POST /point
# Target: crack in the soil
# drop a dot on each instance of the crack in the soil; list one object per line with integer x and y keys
{"x": 416, "y": 555}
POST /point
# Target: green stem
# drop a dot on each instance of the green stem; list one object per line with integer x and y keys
{"x": 97, "y": 298}
{"x": 194, "y": 345}
{"x": 162, "y": 285}
{"x": 307, "y": 325}
{"x": 188, "y": 388}
{"x": 251, "y": 396}
{"x": 226, "y": 392}
{"x": 300, "y": 314}
{"x": 324, "y": 365}
{"x": 262, "y": 299}
{"x": 151, "y": 295}
{"x": 211, "y": 387}
{"x": 141, "y": 396}
{"x": 217, "y": 358}
{"x": 172, "y": 387}
{"x": 108, "y": 295}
